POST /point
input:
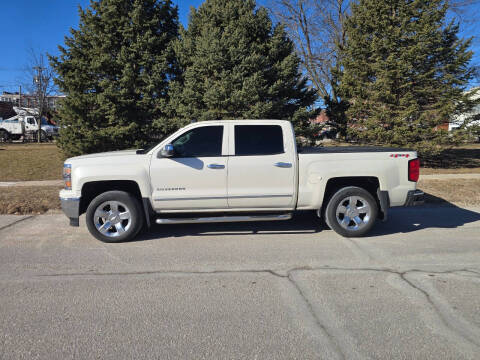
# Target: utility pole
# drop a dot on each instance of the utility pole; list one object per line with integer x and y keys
{"x": 20, "y": 96}
{"x": 40, "y": 83}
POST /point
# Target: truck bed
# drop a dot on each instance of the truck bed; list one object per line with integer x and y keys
{"x": 348, "y": 149}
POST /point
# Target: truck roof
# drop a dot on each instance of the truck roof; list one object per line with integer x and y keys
{"x": 239, "y": 120}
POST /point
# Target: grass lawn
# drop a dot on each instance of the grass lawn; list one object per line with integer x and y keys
{"x": 30, "y": 162}
{"x": 462, "y": 192}
{"x": 28, "y": 199}
{"x": 462, "y": 159}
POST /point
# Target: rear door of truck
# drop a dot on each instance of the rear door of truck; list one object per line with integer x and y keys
{"x": 262, "y": 166}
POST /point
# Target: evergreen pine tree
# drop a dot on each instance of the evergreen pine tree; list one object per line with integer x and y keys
{"x": 115, "y": 71}
{"x": 237, "y": 65}
{"x": 404, "y": 72}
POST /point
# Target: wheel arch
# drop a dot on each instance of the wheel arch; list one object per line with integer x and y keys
{"x": 369, "y": 183}
{"x": 92, "y": 189}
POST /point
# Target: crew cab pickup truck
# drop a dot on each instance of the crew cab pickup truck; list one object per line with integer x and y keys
{"x": 238, "y": 170}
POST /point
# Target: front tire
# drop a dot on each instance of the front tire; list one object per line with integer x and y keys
{"x": 114, "y": 216}
{"x": 351, "y": 212}
{"x": 4, "y": 136}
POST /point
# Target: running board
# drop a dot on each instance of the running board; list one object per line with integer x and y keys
{"x": 216, "y": 219}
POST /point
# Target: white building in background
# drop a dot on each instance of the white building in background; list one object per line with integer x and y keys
{"x": 458, "y": 120}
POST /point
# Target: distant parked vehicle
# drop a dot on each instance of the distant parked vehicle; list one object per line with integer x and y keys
{"x": 328, "y": 131}
{"x": 23, "y": 126}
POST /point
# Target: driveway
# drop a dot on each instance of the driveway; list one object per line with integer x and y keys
{"x": 276, "y": 290}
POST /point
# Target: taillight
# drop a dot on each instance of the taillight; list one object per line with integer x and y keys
{"x": 414, "y": 170}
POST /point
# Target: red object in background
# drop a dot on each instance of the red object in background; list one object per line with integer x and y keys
{"x": 414, "y": 170}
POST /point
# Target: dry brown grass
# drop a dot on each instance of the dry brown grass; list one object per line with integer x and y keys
{"x": 465, "y": 158}
{"x": 28, "y": 199}
{"x": 433, "y": 171}
{"x": 21, "y": 162}
{"x": 462, "y": 192}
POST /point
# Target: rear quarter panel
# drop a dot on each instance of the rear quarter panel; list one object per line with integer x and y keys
{"x": 315, "y": 170}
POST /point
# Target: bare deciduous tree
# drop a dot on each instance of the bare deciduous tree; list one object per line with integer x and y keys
{"x": 317, "y": 28}
{"x": 40, "y": 83}
{"x": 466, "y": 13}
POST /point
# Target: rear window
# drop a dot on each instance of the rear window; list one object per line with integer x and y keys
{"x": 258, "y": 140}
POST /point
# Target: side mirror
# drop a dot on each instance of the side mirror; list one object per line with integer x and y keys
{"x": 167, "y": 151}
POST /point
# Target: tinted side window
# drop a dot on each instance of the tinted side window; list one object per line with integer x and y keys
{"x": 198, "y": 142}
{"x": 258, "y": 139}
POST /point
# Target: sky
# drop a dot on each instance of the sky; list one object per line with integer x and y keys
{"x": 42, "y": 24}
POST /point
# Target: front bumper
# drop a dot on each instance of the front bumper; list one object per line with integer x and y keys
{"x": 71, "y": 208}
{"x": 415, "y": 197}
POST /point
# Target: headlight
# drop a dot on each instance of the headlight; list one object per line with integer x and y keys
{"x": 67, "y": 176}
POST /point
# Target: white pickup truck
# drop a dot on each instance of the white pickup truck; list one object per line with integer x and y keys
{"x": 239, "y": 170}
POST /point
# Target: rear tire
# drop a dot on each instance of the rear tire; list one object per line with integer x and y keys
{"x": 43, "y": 136}
{"x": 351, "y": 212}
{"x": 114, "y": 216}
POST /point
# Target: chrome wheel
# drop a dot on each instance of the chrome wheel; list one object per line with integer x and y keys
{"x": 112, "y": 218}
{"x": 353, "y": 213}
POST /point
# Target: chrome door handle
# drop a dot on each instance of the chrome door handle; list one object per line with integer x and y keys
{"x": 216, "y": 166}
{"x": 283, "y": 165}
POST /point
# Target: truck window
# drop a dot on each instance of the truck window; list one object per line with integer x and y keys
{"x": 199, "y": 142}
{"x": 258, "y": 140}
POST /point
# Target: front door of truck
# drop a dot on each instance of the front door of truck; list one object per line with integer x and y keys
{"x": 31, "y": 124}
{"x": 195, "y": 177}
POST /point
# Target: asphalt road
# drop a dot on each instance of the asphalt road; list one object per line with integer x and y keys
{"x": 280, "y": 290}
